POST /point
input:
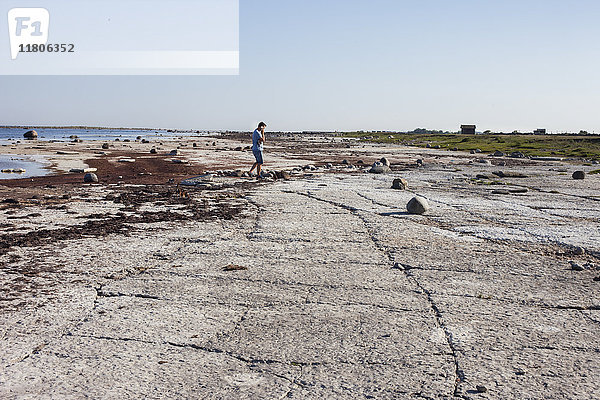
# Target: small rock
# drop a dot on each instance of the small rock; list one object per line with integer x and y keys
{"x": 428, "y": 145}
{"x": 517, "y": 154}
{"x": 472, "y": 151}
{"x": 239, "y": 149}
{"x": 597, "y": 279}
{"x": 417, "y": 205}
{"x": 477, "y": 151}
{"x": 174, "y": 152}
{"x": 578, "y": 175}
{"x": 233, "y": 267}
{"x": 105, "y": 146}
{"x": 152, "y": 151}
{"x": 575, "y": 266}
{"x": 509, "y": 174}
{"x": 419, "y": 163}
{"x": 400, "y": 184}
{"x": 498, "y": 153}
{"x": 483, "y": 176}
{"x": 345, "y": 162}
{"x": 455, "y": 149}
{"x": 519, "y": 190}
{"x": 579, "y": 251}
{"x": 483, "y": 161}
{"x": 126, "y": 160}
{"x": 194, "y": 144}
{"x": 379, "y": 168}
{"x": 481, "y": 388}
{"x": 398, "y": 266}
{"x": 90, "y": 178}
{"x": 500, "y": 191}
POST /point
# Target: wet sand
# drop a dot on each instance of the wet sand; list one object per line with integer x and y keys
{"x": 120, "y": 289}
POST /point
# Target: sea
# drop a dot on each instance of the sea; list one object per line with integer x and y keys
{"x": 36, "y": 165}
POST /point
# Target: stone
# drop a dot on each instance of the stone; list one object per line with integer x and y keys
{"x": 174, "y": 152}
{"x": 481, "y": 388}
{"x": 517, "y": 154}
{"x": 455, "y": 149}
{"x": 428, "y": 145}
{"x": 345, "y": 162}
{"x": 500, "y": 191}
{"x": 82, "y": 170}
{"x": 418, "y": 205}
{"x": 472, "y": 151}
{"x": 385, "y": 161}
{"x": 238, "y": 173}
{"x": 519, "y": 190}
{"x": 176, "y": 161}
{"x": 126, "y": 160}
{"x": 578, "y": 175}
{"x": 31, "y": 135}
{"x": 239, "y": 149}
{"x": 483, "y": 161}
{"x": 483, "y": 176}
{"x": 579, "y": 251}
{"x": 419, "y": 163}
{"x": 152, "y": 151}
{"x": 400, "y": 184}
{"x": 145, "y": 141}
{"x": 498, "y": 153}
{"x": 105, "y": 146}
{"x": 509, "y": 174}
{"x": 576, "y": 267}
{"x": 90, "y": 177}
{"x": 379, "y": 168}
{"x": 194, "y": 144}
{"x": 477, "y": 151}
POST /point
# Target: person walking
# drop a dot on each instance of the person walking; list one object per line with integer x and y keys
{"x": 258, "y": 138}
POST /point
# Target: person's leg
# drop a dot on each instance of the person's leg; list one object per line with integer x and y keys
{"x": 252, "y": 169}
{"x": 258, "y": 170}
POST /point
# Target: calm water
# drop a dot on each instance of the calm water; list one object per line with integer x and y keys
{"x": 60, "y": 134}
{"x": 33, "y": 166}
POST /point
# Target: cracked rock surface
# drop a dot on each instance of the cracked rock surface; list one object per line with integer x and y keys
{"x": 345, "y": 296}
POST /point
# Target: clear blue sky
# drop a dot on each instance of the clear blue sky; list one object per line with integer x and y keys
{"x": 350, "y": 64}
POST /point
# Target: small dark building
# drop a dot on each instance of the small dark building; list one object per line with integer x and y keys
{"x": 467, "y": 129}
{"x": 540, "y": 131}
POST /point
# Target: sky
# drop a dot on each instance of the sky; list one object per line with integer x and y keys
{"x": 358, "y": 65}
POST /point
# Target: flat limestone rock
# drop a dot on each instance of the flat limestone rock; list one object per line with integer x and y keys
{"x": 83, "y": 170}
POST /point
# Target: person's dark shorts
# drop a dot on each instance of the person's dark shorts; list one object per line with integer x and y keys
{"x": 258, "y": 154}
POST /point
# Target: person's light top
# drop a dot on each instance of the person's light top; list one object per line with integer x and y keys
{"x": 256, "y": 143}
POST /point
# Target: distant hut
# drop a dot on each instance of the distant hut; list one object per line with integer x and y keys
{"x": 467, "y": 129}
{"x": 540, "y": 131}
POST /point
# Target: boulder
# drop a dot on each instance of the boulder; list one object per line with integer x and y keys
{"x": 498, "y": 153}
{"x": 30, "y": 135}
{"x": 379, "y": 168}
{"x": 399, "y": 184}
{"x": 578, "y": 175}
{"x": 90, "y": 177}
{"x": 417, "y": 205}
{"x": 517, "y": 154}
